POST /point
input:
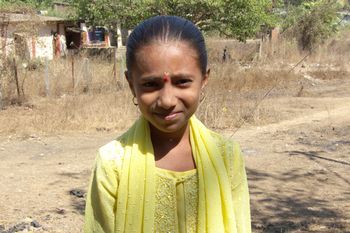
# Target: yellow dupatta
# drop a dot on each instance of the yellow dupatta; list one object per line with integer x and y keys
{"x": 135, "y": 205}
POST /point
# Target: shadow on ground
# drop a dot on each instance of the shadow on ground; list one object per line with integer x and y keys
{"x": 78, "y": 200}
{"x": 281, "y": 209}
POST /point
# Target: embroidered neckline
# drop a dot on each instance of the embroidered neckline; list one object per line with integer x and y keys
{"x": 175, "y": 175}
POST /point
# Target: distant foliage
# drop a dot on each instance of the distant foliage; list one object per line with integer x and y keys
{"x": 23, "y": 5}
{"x": 15, "y": 7}
{"x": 231, "y": 18}
{"x": 311, "y": 22}
{"x": 27, "y": 3}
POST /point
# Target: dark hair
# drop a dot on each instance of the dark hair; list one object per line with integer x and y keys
{"x": 166, "y": 28}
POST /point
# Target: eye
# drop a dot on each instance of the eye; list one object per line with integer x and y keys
{"x": 183, "y": 82}
{"x": 150, "y": 84}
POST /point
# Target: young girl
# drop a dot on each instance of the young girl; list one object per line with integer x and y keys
{"x": 168, "y": 172}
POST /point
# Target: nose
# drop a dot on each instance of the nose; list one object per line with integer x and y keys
{"x": 167, "y": 97}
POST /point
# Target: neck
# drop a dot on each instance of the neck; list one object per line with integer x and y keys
{"x": 172, "y": 138}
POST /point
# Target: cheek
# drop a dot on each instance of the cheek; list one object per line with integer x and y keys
{"x": 190, "y": 98}
{"x": 146, "y": 100}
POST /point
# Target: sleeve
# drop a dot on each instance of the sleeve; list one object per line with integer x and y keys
{"x": 101, "y": 197}
{"x": 240, "y": 192}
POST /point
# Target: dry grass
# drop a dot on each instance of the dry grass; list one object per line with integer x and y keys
{"x": 49, "y": 103}
{"x": 95, "y": 101}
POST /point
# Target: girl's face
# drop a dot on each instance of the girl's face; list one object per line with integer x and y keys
{"x": 167, "y": 82}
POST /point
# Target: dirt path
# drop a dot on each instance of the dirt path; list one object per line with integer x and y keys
{"x": 37, "y": 175}
{"x": 298, "y": 172}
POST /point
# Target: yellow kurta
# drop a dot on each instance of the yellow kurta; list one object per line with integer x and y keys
{"x": 177, "y": 201}
{"x": 177, "y": 194}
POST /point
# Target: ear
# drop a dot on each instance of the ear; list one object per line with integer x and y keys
{"x": 205, "y": 79}
{"x": 129, "y": 79}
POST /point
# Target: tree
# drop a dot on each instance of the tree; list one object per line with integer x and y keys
{"x": 312, "y": 22}
{"x": 232, "y": 18}
{"x": 28, "y": 3}
{"x": 243, "y": 19}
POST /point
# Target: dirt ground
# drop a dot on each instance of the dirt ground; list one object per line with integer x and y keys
{"x": 298, "y": 169}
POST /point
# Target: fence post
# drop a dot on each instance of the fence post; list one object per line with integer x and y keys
{"x": 86, "y": 74}
{"x": 115, "y": 64}
{"x": 47, "y": 81}
{"x": 73, "y": 78}
{"x": 0, "y": 98}
{"x": 122, "y": 70}
{"x": 16, "y": 77}
{"x": 261, "y": 47}
{"x": 86, "y": 69}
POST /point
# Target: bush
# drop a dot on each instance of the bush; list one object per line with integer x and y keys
{"x": 311, "y": 23}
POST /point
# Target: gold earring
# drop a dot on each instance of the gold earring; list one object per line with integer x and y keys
{"x": 134, "y": 101}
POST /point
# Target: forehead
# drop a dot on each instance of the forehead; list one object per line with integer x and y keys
{"x": 159, "y": 57}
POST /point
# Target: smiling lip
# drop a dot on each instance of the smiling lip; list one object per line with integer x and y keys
{"x": 168, "y": 116}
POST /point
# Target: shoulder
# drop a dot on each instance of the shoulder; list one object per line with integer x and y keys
{"x": 112, "y": 153}
{"x": 232, "y": 156}
{"x": 111, "y": 150}
{"x": 227, "y": 145}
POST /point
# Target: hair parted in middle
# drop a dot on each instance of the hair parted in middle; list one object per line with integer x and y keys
{"x": 166, "y": 29}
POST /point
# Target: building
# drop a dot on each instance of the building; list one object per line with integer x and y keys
{"x": 31, "y": 36}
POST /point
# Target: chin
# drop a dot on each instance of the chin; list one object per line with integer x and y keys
{"x": 171, "y": 128}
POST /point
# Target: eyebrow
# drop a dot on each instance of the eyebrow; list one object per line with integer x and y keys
{"x": 150, "y": 78}
{"x": 182, "y": 76}
{"x": 158, "y": 78}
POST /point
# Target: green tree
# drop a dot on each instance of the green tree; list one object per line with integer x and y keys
{"x": 29, "y": 3}
{"x": 243, "y": 19}
{"x": 232, "y": 18}
{"x": 312, "y": 22}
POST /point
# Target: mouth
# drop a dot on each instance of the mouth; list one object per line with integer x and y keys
{"x": 168, "y": 116}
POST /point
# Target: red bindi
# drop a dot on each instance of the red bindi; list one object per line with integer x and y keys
{"x": 166, "y": 77}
